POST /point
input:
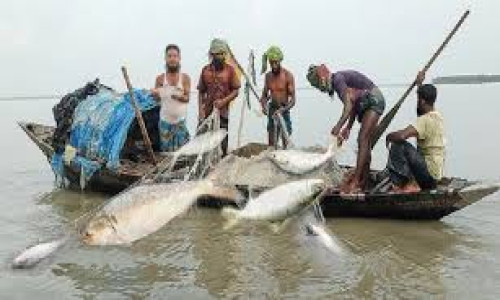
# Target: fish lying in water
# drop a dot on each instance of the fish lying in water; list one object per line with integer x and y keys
{"x": 277, "y": 204}
{"x": 299, "y": 162}
{"x": 325, "y": 238}
{"x": 33, "y": 255}
{"x": 146, "y": 208}
{"x": 202, "y": 143}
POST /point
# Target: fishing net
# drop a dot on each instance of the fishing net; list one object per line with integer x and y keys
{"x": 250, "y": 167}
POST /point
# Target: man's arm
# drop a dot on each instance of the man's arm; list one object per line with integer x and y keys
{"x": 186, "y": 88}
{"x": 154, "y": 91}
{"x": 291, "y": 91}
{"x": 346, "y": 112}
{"x": 420, "y": 78}
{"x": 401, "y": 135}
{"x": 201, "y": 97}
{"x": 265, "y": 95}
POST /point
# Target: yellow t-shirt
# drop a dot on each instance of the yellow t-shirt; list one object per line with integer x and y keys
{"x": 430, "y": 141}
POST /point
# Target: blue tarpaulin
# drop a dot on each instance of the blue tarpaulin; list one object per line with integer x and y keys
{"x": 100, "y": 127}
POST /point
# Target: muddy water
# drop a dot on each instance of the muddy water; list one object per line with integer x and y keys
{"x": 457, "y": 257}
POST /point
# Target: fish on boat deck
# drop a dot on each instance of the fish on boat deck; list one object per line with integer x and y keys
{"x": 277, "y": 204}
{"x": 299, "y": 162}
{"x": 146, "y": 208}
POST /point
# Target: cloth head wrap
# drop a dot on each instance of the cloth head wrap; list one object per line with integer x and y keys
{"x": 274, "y": 53}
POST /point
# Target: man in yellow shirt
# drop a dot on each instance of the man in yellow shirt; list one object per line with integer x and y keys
{"x": 424, "y": 164}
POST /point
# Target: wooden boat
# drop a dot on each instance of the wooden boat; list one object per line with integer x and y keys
{"x": 104, "y": 180}
{"x": 451, "y": 195}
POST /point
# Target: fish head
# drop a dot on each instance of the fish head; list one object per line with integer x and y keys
{"x": 278, "y": 157}
{"x": 99, "y": 231}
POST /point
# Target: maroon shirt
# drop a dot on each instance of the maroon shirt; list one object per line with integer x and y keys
{"x": 361, "y": 84}
{"x": 217, "y": 85}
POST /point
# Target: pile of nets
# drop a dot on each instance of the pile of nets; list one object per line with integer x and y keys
{"x": 99, "y": 131}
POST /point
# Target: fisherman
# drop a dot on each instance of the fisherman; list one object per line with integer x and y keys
{"x": 218, "y": 87}
{"x": 172, "y": 91}
{"x": 279, "y": 86}
{"x": 362, "y": 99}
{"x": 425, "y": 163}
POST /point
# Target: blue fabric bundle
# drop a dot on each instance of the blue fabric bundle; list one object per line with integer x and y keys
{"x": 99, "y": 130}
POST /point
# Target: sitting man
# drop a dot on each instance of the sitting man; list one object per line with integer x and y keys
{"x": 425, "y": 164}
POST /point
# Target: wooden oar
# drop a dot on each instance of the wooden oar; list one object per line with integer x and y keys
{"x": 390, "y": 115}
{"x": 139, "y": 118}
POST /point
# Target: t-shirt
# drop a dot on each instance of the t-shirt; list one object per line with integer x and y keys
{"x": 342, "y": 80}
{"x": 430, "y": 141}
{"x": 217, "y": 85}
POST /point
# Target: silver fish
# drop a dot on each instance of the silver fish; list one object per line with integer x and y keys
{"x": 300, "y": 162}
{"x": 33, "y": 255}
{"x": 277, "y": 204}
{"x": 202, "y": 143}
{"x": 145, "y": 209}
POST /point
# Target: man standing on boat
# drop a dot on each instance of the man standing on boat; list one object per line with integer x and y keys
{"x": 425, "y": 163}
{"x": 218, "y": 87}
{"x": 362, "y": 99}
{"x": 172, "y": 90}
{"x": 279, "y": 86}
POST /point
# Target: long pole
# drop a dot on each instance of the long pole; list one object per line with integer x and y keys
{"x": 390, "y": 115}
{"x": 138, "y": 116}
{"x": 247, "y": 78}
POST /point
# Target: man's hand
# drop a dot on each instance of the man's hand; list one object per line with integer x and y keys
{"x": 335, "y": 130}
{"x": 344, "y": 133}
{"x": 279, "y": 111}
{"x": 264, "y": 109}
{"x": 219, "y": 103}
{"x": 177, "y": 97}
{"x": 420, "y": 78}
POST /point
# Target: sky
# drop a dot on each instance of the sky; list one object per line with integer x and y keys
{"x": 55, "y": 46}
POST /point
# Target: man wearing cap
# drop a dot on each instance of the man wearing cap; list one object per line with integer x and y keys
{"x": 362, "y": 99}
{"x": 218, "y": 86}
{"x": 278, "y": 95}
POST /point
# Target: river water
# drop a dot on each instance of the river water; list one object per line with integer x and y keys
{"x": 193, "y": 257}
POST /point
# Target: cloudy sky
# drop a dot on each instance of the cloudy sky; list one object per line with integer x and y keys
{"x": 53, "y": 46}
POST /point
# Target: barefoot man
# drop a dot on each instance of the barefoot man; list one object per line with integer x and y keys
{"x": 362, "y": 99}
{"x": 278, "y": 96}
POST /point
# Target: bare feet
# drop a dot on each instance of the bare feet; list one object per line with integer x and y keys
{"x": 411, "y": 187}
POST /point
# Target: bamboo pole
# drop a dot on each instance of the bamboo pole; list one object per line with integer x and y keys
{"x": 138, "y": 116}
{"x": 390, "y": 115}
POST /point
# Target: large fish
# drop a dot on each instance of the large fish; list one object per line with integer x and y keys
{"x": 145, "y": 209}
{"x": 300, "y": 162}
{"x": 202, "y": 143}
{"x": 277, "y": 204}
{"x": 33, "y": 255}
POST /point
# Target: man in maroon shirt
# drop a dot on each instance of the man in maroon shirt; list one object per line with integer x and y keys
{"x": 362, "y": 99}
{"x": 218, "y": 87}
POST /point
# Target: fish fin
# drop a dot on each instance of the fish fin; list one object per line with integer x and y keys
{"x": 231, "y": 215}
